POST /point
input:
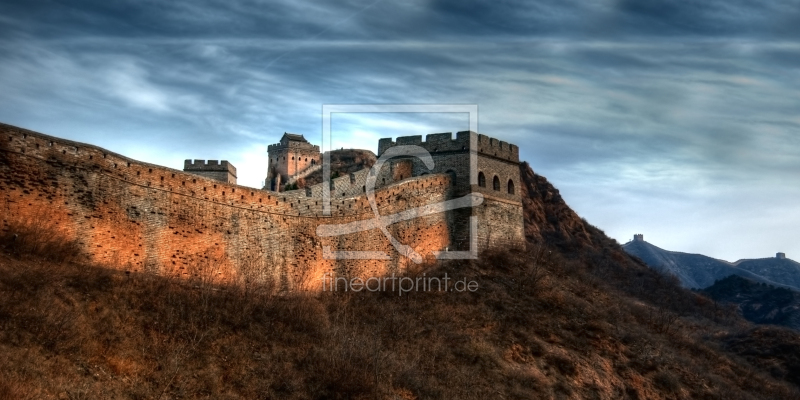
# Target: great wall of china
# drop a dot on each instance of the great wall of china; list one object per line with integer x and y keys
{"x": 142, "y": 217}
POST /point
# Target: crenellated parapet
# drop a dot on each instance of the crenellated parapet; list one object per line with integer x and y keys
{"x": 222, "y": 171}
{"x": 497, "y": 148}
{"x": 210, "y": 165}
{"x": 294, "y": 145}
{"x": 464, "y": 141}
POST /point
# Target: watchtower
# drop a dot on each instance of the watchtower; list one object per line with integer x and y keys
{"x": 288, "y": 158}
{"x": 476, "y": 164}
{"x": 638, "y": 237}
{"x": 780, "y": 256}
{"x": 222, "y": 171}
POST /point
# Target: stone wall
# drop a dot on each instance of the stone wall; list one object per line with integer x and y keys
{"x": 148, "y": 218}
{"x": 143, "y": 217}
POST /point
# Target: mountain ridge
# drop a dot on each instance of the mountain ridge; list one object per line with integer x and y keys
{"x": 698, "y": 271}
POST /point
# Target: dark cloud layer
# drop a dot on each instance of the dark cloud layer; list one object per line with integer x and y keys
{"x": 676, "y": 118}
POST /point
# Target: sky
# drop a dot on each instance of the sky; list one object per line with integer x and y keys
{"x": 679, "y": 120}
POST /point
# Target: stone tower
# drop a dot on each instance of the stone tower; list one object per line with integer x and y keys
{"x": 638, "y": 237}
{"x": 222, "y": 171}
{"x": 780, "y": 256}
{"x": 496, "y": 176}
{"x": 292, "y": 156}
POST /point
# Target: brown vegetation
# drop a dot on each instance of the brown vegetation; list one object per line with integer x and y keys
{"x": 572, "y": 317}
{"x": 540, "y": 326}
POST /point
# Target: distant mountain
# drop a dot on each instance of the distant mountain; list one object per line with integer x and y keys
{"x": 758, "y": 302}
{"x": 697, "y": 271}
{"x": 781, "y": 270}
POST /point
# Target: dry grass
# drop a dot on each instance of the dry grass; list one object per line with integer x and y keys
{"x": 540, "y": 326}
{"x": 38, "y": 237}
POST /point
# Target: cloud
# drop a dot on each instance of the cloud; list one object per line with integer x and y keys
{"x": 652, "y": 111}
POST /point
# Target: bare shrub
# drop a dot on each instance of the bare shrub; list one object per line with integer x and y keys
{"x": 38, "y": 236}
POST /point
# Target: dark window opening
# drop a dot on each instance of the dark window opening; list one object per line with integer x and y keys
{"x": 481, "y": 179}
{"x": 496, "y": 183}
{"x": 452, "y": 176}
{"x": 510, "y": 186}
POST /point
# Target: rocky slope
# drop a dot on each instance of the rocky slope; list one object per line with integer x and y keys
{"x": 548, "y": 218}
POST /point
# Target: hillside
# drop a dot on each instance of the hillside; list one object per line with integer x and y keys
{"x": 758, "y": 302}
{"x": 573, "y": 317}
{"x": 784, "y": 270}
{"x": 697, "y": 271}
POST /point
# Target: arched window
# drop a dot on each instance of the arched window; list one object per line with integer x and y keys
{"x": 496, "y": 183}
{"x": 481, "y": 179}
{"x": 313, "y": 161}
{"x": 510, "y": 186}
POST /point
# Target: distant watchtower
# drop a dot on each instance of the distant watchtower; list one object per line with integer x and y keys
{"x": 638, "y": 237}
{"x": 291, "y": 156}
{"x": 780, "y": 256}
{"x": 222, "y": 171}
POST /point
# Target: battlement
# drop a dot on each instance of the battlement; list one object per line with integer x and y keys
{"x": 464, "y": 141}
{"x": 497, "y": 148}
{"x": 638, "y": 237}
{"x": 222, "y": 171}
{"x": 780, "y": 256}
{"x": 210, "y": 165}
{"x": 293, "y": 145}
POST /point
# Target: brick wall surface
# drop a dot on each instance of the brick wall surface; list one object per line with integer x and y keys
{"x": 144, "y": 217}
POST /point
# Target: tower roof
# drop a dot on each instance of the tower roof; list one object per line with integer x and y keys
{"x": 293, "y": 137}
